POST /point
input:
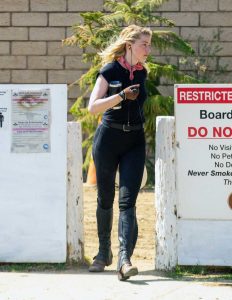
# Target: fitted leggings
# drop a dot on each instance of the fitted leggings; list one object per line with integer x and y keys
{"x": 113, "y": 148}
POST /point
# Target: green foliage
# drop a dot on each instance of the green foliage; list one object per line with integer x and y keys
{"x": 170, "y": 72}
{"x": 134, "y": 12}
{"x": 201, "y": 65}
{"x": 166, "y": 39}
{"x": 95, "y": 32}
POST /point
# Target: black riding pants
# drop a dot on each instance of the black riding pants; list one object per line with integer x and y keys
{"x": 113, "y": 148}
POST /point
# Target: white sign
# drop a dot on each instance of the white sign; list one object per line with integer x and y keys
{"x": 33, "y": 185}
{"x": 204, "y": 150}
{"x": 204, "y": 173}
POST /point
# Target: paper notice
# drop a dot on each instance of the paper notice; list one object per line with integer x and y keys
{"x": 31, "y": 121}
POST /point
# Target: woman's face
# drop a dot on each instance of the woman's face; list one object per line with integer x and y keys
{"x": 141, "y": 48}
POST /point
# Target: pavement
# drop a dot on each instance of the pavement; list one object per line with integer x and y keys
{"x": 79, "y": 284}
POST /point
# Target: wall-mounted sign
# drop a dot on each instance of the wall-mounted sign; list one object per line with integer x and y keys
{"x": 204, "y": 150}
{"x": 204, "y": 173}
{"x": 31, "y": 121}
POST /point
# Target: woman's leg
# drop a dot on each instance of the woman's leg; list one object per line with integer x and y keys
{"x": 131, "y": 171}
{"x": 106, "y": 165}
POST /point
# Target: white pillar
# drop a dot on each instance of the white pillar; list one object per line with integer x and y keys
{"x": 165, "y": 195}
{"x": 75, "y": 214}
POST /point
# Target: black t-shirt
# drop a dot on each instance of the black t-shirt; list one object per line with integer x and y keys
{"x": 131, "y": 111}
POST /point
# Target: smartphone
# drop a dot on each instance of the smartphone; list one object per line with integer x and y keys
{"x": 135, "y": 90}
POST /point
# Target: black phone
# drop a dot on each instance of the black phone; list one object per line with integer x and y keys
{"x": 135, "y": 90}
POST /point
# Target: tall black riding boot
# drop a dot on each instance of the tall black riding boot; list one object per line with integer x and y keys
{"x": 127, "y": 234}
{"x": 104, "y": 226}
{"x": 135, "y": 233}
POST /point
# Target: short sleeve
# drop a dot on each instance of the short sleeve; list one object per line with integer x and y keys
{"x": 107, "y": 72}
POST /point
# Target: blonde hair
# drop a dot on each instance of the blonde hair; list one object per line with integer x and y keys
{"x": 118, "y": 48}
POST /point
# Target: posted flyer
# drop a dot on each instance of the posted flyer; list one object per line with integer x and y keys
{"x": 30, "y": 121}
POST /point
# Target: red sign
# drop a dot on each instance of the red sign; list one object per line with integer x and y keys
{"x": 203, "y": 95}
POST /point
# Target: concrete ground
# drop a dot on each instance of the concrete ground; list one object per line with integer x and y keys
{"x": 79, "y": 284}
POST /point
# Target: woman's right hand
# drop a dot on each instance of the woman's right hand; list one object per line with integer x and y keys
{"x": 130, "y": 92}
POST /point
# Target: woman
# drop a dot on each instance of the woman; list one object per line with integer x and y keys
{"x": 119, "y": 141}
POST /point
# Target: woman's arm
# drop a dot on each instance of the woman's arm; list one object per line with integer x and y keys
{"x": 97, "y": 102}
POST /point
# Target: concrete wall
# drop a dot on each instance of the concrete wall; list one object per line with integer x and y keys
{"x": 165, "y": 195}
{"x": 31, "y": 32}
{"x": 30, "y": 41}
{"x": 210, "y": 19}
